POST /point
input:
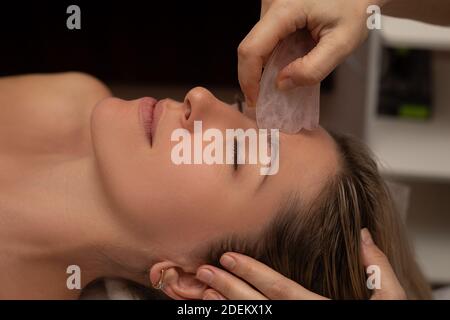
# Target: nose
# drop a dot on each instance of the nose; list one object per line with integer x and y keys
{"x": 199, "y": 104}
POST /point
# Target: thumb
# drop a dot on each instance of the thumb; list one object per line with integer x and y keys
{"x": 373, "y": 258}
{"x": 330, "y": 51}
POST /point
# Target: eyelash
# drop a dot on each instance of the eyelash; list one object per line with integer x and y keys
{"x": 235, "y": 155}
{"x": 238, "y": 102}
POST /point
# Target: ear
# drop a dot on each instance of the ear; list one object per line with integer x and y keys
{"x": 178, "y": 283}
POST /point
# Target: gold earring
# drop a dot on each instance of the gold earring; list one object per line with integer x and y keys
{"x": 160, "y": 284}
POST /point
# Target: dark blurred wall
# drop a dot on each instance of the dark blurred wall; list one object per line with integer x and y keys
{"x": 162, "y": 42}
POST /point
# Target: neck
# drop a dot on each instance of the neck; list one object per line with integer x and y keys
{"x": 68, "y": 220}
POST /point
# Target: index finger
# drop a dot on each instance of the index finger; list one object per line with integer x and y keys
{"x": 265, "y": 4}
{"x": 269, "y": 282}
{"x": 390, "y": 288}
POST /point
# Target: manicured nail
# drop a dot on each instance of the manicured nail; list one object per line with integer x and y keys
{"x": 366, "y": 237}
{"x": 212, "y": 296}
{"x": 228, "y": 261}
{"x": 205, "y": 275}
{"x": 286, "y": 84}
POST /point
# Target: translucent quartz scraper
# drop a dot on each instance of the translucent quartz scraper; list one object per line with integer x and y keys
{"x": 290, "y": 110}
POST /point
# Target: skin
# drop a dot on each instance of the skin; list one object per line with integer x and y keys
{"x": 338, "y": 27}
{"x": 64, "y": 138}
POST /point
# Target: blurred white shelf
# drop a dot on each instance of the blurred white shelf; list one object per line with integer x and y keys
{"x": 411, "y": 148}
{"x": 409, "y": 33}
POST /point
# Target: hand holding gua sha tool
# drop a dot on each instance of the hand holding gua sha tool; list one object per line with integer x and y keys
{"x": 289, "y": 110}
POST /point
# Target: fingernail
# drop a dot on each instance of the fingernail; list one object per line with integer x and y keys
{"x": 212, "y": 296}
{"x": 205, "y": 275}
{"x": 227, "y": 261}
{"x": 366, "y": 237}
{"x": 286, "y": 84}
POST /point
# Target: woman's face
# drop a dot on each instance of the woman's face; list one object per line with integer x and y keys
{"x": 186, "y": 206}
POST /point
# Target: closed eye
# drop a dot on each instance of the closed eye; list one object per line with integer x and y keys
{"x": 239, "y": 104}
{"x": 235, "y": 155}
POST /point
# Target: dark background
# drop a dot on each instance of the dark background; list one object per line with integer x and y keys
{"x": 163, "y": 42}
{"x": 170, "y": 42}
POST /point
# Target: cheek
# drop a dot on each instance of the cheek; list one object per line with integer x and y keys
{"x": 115, "y": 127}
{"x": 196, "y": 203}
{"x": 120, "y": 149}
{"x": 193, "y": 191}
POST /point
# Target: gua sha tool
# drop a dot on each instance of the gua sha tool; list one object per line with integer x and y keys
{"x": 288, "y": 110}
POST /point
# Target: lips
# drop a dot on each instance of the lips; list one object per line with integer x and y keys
{"x": 148, "y": 117}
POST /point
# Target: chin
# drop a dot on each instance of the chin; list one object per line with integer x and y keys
{"x": 116, "y": 131}
{"x": 114, "y": 140}
{"x": 119, "y": 148}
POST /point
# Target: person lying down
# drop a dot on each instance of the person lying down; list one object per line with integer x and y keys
{"x": 86, "y": 183}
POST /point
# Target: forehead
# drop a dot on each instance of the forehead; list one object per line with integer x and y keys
{"x": 307, "y": 161}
